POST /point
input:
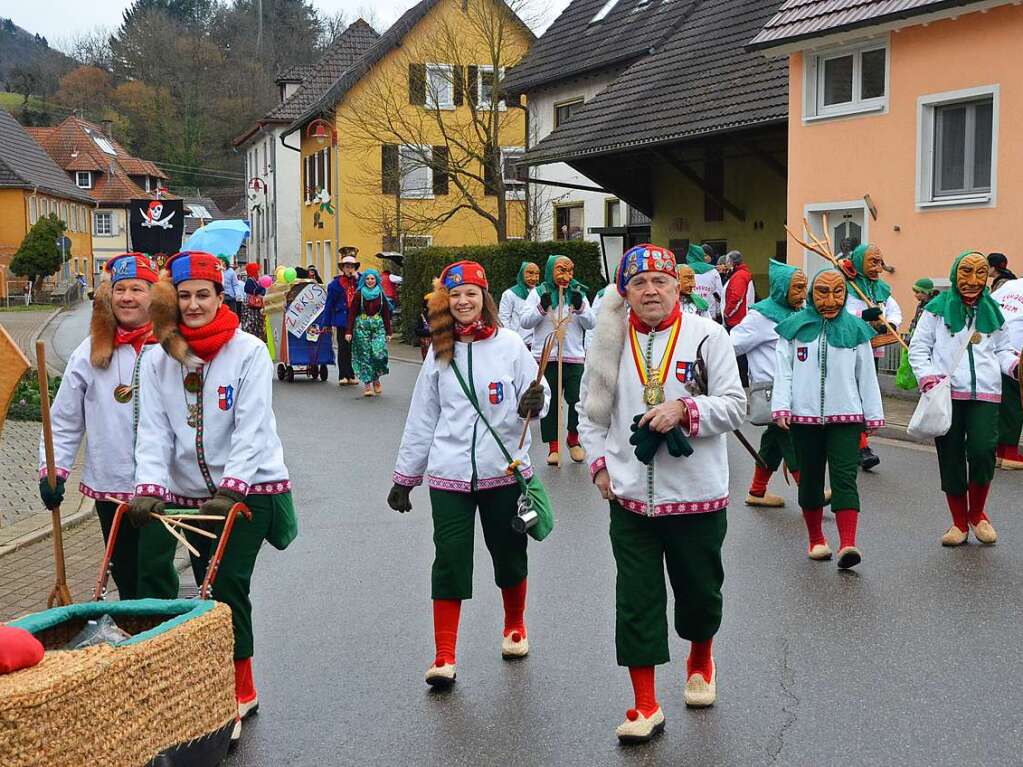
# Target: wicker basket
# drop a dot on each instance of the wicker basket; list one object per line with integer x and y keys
{"x": 171, "y": 684}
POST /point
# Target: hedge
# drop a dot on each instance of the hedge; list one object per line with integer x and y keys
{"x": 502, "y": 263}
{"x": 25, "y": 404}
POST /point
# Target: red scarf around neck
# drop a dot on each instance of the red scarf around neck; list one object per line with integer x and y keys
{"x": 642, "y": 327}
{"x": 137, "y": 337}
{"x": 477, "y": 329}
{"x": 207, "y": 340}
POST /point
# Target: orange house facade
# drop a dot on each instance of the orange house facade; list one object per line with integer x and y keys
{"x": 904, "y": 132}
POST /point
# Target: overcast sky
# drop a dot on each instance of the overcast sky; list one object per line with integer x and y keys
{"x": 56, "y": 20}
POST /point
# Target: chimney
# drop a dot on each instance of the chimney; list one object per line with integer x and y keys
{"x": 108, "y": 128}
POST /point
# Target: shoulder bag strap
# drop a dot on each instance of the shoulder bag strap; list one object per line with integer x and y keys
{"x": 962, "y": 351}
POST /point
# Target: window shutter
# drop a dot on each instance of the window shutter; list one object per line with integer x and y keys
{"x": 307, "y": 177}
{"x": 458, "y": 84}
{"x": 440, "y": 170}
{"x": 417, "y": 84}
{"x": 489, "y": 183}
{"x": 472, "y": 85}
{"x": 329, "y": 178}
{"x": 389, "y": 168}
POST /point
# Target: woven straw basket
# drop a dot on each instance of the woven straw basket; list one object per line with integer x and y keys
{"x": 171, "y": 684}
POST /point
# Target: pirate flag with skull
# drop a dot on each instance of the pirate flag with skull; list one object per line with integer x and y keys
{"x": 157, "y": 226}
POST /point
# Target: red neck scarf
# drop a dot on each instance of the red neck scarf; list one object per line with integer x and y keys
{"x": 137, "y": 337}
{"x": 642, "y": 327}
{"x": 477, "y": 329}
{"x": 207, "y": 340}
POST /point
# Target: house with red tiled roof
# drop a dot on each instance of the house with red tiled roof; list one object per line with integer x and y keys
{"x": 98, "y": 165}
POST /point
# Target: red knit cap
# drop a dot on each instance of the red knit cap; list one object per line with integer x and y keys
{"x": 464, "y": 273}
{"x": 252, "y": 270}
{"x": 194, "y": 265}
{"x": 131, "y": 266}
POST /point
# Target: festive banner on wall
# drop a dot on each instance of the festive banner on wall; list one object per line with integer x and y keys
{"x": 157, "y": 226}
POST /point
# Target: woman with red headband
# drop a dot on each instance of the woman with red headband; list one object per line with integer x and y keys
{"x": 446, "y": 439}
{"x": 208, "y": 439}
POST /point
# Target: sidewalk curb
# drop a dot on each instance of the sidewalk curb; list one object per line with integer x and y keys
{"x": 38, "y": 334}
{"x": 83, "y": 514}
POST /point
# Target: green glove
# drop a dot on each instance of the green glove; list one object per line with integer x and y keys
{"x": 645, "y": 440}
{"x": 51, "y": 498}
{"x": 221, "y": 502}
{"x": 678, "y": 444}
{"x": 141, "y": 507}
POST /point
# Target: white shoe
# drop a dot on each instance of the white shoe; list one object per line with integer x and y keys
{"x": 984, "y": 532}
{"x": 849, "y": 557}
{"x": 699, "y": 692}
{"x": 638, "y": 728}
{"x": 820, "y": 552}
{"x": 247, "y": 709}
{"x": 236, "y": 731}
{"x": 441, "y": 676}
{"x": 515, "y": 645}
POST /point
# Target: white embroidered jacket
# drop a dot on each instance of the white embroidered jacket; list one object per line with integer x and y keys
{"x": 237, "y": 436}
{"x": 444, "y": 438}
{"x": 670, "y": 486}
{"x": 708, "y": 285}
{"x": 85, "y": 405}
{"x": 533, "y": 317}
{"x": 1010, "y": 298}
{"x": 754, "y": 336}
{"x": 510, "y": 314}
{"x": 847, "y": 392}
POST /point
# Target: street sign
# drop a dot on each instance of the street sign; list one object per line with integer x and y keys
{"x": 64, "y": 245}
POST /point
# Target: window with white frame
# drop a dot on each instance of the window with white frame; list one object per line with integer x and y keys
{"x": 958, "y": 145}
{"x": 514, "y": 187}
{"x": 413, "y": 241}
{"x": 605, "y": 9}
{"x": 440, "y": 86}
{"x": 83, "y": 179}
{"x": 487, "y": 82}
{"x": 415, "y": 171}
{"x": 33, "y": 209}
{"x": 846, "y": 81}
{"x": 103, "y": 223}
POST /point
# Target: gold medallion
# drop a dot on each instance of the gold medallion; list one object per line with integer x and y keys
{"x": 122, "y": 393}
{"x": 975, "y": 338}
{"x": 653, "y": 393}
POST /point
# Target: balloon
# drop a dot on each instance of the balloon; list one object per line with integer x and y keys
{"x": 265, "y": 281}
{"x": 279, "y": 275}
{"x": 290, "y": 275}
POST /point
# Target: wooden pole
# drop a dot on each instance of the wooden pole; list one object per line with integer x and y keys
{"x": 61, "y": 594}
{"x": 561, "y": 355}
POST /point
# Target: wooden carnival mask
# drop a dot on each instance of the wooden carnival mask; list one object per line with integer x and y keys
{"x": 531, "y": 275}
{"x": 686, "y": 280}
{"x": 829, "y": 294}
{"x": 873, "y": 263}
{"x": 971, "y": 276}
{"x": 797, "y": 290}
{"x": 563, "y": 272}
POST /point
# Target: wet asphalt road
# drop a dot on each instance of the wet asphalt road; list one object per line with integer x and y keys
{"x": 913, "y": 659}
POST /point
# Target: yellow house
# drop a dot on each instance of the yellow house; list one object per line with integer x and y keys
{"x": 413, "y": 145}
{"x": 31, "y": 186}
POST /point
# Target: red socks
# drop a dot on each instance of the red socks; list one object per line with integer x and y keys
{"x": 846, "y": 519}
{"x": 978, "y": 498}
{"x": 645, "y": 691}
{"x": 864, "y": 440}
{"x": 552, "y": 447}
{"x": 700, "y": 660}
{"x": 244, "y": 688}
{"x": 795, "y": 476}
{"x": 573, "y": 439}
{"x": 514, "y": 598}
{"x": 957, "y": 505}
{"x": 813, "y": 519}
{"x": 758, "y": 487}
{"x": 445, "y": 629}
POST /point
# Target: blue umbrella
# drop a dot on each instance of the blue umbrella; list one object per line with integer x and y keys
{"x": 219, "y": 237}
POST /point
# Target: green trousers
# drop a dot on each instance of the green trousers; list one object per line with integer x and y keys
{"x": 124, "y": 563}
{"x": 572, "y": 376}
{"x": 454, "y": 525}
{"x": 836, "y": 448}
{"x": 273, "y": 520}
{"x": 970, "y": 444}
{"x": 775, "y": 445}
{"x": 690, "y": 545}
{"x": 1010, "y": 413}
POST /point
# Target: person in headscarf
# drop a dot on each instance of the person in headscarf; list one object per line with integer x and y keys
{"x": 465, "y": 466}
{"x": 513, "y": 300}
{"x": 924, "y": 292}
{"x": 708, "y": 279}
{"x": 755, "y": 337}
{"x": 1000, "y": 272}
{"x": 542, "y": 310}
{"x": 825, "y": 393}
{"x": 690, "y": 301}
{"x": 253, "y": 320}
{"x": 1009, "y": 296}
{"x": 962, "y": 335}
{"x": 369, "y": 332}
{"x": 865, "y": 267}
{"x": 314, "y": 275}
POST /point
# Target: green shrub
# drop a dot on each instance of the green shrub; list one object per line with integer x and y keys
{"x": 502, "y": 263}
{"x": 25, "y": 402}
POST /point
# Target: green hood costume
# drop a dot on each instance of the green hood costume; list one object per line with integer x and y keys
{"x": 986, "y": 313}
{"x": 846, "y": 331}
{"x": 695, "y": 300}
{"x": 520, "y": 288}
{"x": 776, "y": 306}
{"x": 549, "y": 287}
{"x": 695, "y": 258}
{"x": 878, "y": 290}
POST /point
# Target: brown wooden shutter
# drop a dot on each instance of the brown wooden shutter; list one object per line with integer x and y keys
{"x": 489, "y": 182}
{"x": 389, "y": 168}
{"x": 417, "y": 84}
{"x": 458, "y": 84}
{"x": 472, "y": 85}
{"x": 440, "y": 170}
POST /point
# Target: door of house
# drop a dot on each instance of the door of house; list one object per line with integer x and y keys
{"x": 846, "y": 229}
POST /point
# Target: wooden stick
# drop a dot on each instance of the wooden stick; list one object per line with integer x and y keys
{"x": 191, "y": 528}
{"x": 561, "y": 354}
{"x": 545, "y": 357}
{"x": 61, "y": 594}
{"x": 179, "y": 536}
{"x": 195, "y": 517}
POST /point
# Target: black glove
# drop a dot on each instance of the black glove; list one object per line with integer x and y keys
{"x": 51, "y": 498}
{"x": 872, "y": 314}
{"x": 531, "y": 402}
{"x": 398, "y": 498}
{"x": 545, "y": 301}
{"x": 645, "y": 440}
{"x": 221, "y": 502}
{"x": 678, "y": 444}
{"x": 576, "y": 299}
{"x": 141, "y": 507}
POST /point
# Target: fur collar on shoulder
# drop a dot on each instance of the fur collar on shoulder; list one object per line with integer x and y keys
{"x": 103, "y": 327}
{"x": 164, "y": 312}
{"x": 604, "y": 358}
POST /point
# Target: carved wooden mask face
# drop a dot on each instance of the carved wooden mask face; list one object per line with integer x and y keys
{"x": 532, "y": 275}
{"x": 971, "y": 276}
{"x": 564, "y": 269}
{"x": 873, "y": 263}
{"x": 686, "y": 280}
{"x": 829, "y": 294}
{"x": 797, "y": 290}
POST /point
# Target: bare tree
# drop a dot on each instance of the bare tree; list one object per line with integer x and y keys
{"x": 89, "y": 47}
